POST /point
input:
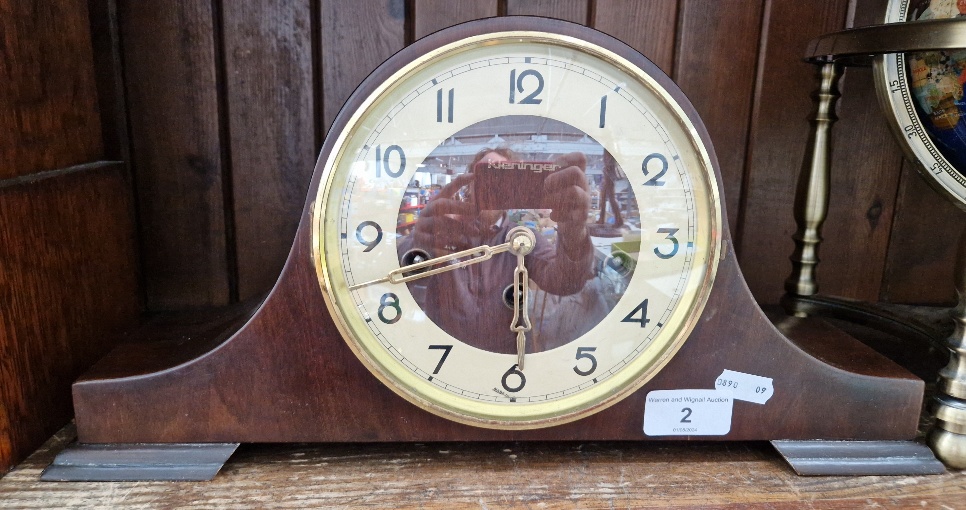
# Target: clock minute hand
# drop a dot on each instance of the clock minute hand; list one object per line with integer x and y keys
{"x": 406, "y": 274}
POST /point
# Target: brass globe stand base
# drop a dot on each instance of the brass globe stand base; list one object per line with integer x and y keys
{"x": 948, "y": 438}
{"x": 831, "y": 53}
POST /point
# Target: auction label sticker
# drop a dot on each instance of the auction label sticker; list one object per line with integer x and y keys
{"x": 688, "y": 412}
{"x": 747, "y": 387}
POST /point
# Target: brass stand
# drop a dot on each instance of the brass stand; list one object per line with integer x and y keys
{"x": 948, "y": 437}
{"x": 811, "y": 201}
{"x": 859, "y": 47}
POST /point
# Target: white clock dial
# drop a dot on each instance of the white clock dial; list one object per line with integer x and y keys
{"x": 518, "y": 130}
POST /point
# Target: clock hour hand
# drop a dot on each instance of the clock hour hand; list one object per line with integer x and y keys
{"x": 522, "y": 242}
{"x": 438, "y": 265}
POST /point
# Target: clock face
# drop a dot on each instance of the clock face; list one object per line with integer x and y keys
{"x": 517, "y": 229}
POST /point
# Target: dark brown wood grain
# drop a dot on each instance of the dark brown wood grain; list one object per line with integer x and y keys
{"x": 739, "y": 63}
{"x": 432, "y": 15}
{"x": 271, "y": 123}
{"x": 648, "y": 27}
{"x": 922, "y": 247}
{"x": 48, "y": 99}
{"x": 779, "y": 130}
{"x": 356, "y": 37}
{"x": 112, "y": 104}
{"x": 68, "y": 281}
{"x": 569, "y": 10}
{"x": 865, "y": 168}
{"x": 865, "y": 174}
{"x": 170, "y": 75}
{"x": 287, "y": 375}
{"x": 716, "y": 70}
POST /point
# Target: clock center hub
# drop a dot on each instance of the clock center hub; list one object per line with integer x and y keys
{"x": 522, "y": 241}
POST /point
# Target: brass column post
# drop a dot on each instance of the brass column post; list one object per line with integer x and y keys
{"x": 948, "y": 437}
{"x": 811, "y": 199}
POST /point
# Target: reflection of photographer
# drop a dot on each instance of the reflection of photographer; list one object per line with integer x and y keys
{"x": 469, "y": 302}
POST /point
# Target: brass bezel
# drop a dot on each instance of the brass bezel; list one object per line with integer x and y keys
{"x": 448, "y": 405}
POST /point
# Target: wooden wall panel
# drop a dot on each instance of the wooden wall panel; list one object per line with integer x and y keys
{"x": 739, "y": 62}
{"x": 649, "y": 27}
{"x": 432, "y": 15}
{"x": 716, "y": 70}
{"x": 46, "y": 123}
{"x": 922, "y": 251}
{"x": 356, "y": 37}
{"x": 68, "y": 279}
{"x": 106, "y": 40}
{"x": 172, "y": 89}
{"x": 865, "y": 174}
{"x": 779, "y": 130}
{"x": 569, "y": 10}
{"x": 272, "y": 127}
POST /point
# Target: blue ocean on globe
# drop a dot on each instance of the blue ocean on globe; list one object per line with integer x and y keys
{"x": 937, "y": 79}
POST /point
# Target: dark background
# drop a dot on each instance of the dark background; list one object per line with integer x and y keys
{"x": 155, "y": 155}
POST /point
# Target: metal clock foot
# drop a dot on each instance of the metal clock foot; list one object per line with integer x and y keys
{"x": 858, "y": 458}
{"x": 193, "y": 462}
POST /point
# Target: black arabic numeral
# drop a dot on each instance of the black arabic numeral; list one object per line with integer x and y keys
{"x": 383, "y": 161}
{"x": 603, "y": 110}
{"x": 687, "y": 415}
{"x": 445, "y": 349}
{"x": 369, "y": 244}
{"x": 643, "y": 320}
{"x": 670, "y": 237}
{"x": 656, "y": 180}
{"x": 389, "y": 300}
{"x": 439, "y": 106}
{"x": 516, "y": 85}
{"x": 585, "y": 352}
{"x": 513, "y": 371}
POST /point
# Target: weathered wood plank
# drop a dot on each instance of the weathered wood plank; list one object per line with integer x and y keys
{"x": 69, "y": 279}
{"x": 779, "y": 130}
{"x": 433, "y": 15}
{"x": 356, "y": 37}
{"x": 170, "y": 72}
{"x": 48, "y": 98}
{"x": 716, "y": 69}
{"x": 570, "y": 10}
{"x": 495, "y": 475}
{"x": 271, "y": 116}
{"x": 649, "y": 27}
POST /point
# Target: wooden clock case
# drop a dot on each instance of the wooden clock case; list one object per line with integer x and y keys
{"x": 278, "y": 370}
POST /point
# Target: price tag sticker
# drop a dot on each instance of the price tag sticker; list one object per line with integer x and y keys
{"x": 747, "y": 387}
{"x": 688, "y": 413}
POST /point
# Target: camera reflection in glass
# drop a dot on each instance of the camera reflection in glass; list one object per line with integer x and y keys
{"x": 521, "y": 171}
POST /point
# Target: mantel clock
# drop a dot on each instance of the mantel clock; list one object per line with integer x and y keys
{"x": 515, "y": 231}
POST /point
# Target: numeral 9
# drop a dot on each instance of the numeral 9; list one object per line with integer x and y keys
{"x": 368, "y": 244}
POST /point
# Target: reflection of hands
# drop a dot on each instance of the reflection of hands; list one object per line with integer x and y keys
{"x": 565, "y": 192}
{"x": 446, "y": 223}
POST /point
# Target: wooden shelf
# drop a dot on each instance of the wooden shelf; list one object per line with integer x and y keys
{"x": 493, "y": 475}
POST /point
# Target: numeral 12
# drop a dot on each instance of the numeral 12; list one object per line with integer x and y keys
{"x": 516, "y": 85}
